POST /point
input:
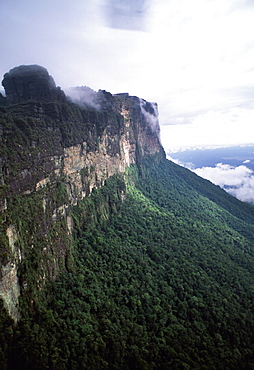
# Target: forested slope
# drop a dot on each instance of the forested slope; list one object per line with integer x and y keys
{"x": 163, "y": 279}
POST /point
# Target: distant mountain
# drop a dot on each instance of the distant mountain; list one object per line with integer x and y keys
{"x": 112, "y": 256}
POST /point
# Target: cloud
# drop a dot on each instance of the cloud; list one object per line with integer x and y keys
{"x": 188, "y": 165}
{"x": 129, "y": 14}
{"x": 150, "y": 113}
{"x": 224, "y": 174}
{"x": 236, "y": 180}
{"x": 83, "y": 96}
{"x": 244, "y": 193}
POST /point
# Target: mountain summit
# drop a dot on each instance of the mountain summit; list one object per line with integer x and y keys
{"x": 111, "y": 256}
{"x": 30, "y": 83}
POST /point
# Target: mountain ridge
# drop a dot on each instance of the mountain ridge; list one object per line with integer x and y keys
{"x": 113, "y": 257}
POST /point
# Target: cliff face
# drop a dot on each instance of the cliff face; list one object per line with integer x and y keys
{"x": 53, "y": 153}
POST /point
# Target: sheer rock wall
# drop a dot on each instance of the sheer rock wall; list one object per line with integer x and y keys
{"x": 53, "y": 153}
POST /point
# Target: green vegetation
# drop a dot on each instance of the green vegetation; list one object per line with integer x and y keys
{"x": 163, "y": 279}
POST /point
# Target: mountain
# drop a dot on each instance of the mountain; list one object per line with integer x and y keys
{"x": 112, "y": 256}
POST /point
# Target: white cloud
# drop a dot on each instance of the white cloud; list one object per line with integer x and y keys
{"x": 237, "y": 180}
{"x": 84, "y": 96}
{"x": 245, "y": 192}
{"x": 188, "y": 165}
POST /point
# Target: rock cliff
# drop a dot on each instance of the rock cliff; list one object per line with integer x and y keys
{"x": 53, "y": 153}
{"x": 30, "y": 83}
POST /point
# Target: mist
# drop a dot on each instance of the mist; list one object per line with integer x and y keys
{"x": 84, "y": 96}
{"x": 150, "y": 113}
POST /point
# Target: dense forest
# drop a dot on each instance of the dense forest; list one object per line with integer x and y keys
{"x": 161, "y": 276}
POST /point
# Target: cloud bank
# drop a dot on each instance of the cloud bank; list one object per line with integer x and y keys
{"x": 150, "y": 113}
{"x": 236, "y": 180}
{"x": 83, "y": 96}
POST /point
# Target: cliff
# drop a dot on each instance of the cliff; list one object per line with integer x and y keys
{"x": 54, "y": 153}
{"x": 111, "y": 256}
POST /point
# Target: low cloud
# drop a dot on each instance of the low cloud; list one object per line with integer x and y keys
{"x": 150, "y": 113}
{"x": 236, "y": 180}
{"x": 83, "y": 96}
{"x": 188, "y": 165}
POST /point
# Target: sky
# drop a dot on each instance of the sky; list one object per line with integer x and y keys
{"x": 194, "y": 58}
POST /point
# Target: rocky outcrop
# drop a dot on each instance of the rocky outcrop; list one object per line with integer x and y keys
{"x": 10, "y": 289}
{"x": 54, "y": 153}
{"x": 30, "y": 83}
{"x": 9, "y": 283}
